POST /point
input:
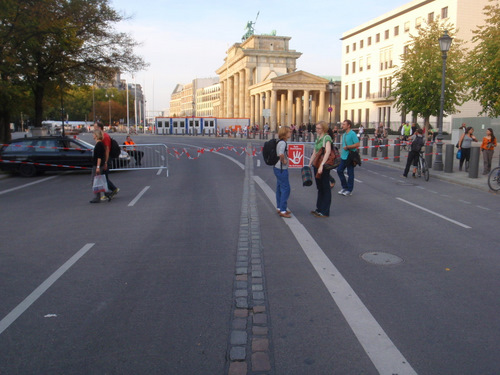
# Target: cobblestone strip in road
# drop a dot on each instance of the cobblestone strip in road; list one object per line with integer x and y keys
{"x": 249, "y": 348}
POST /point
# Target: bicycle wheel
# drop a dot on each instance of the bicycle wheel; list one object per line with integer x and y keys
{"x": 494, "y": 179}
{"x": 425, "y": 170}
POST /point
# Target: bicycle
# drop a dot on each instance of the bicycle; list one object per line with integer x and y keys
{"x": 494, "y": 179}
{"x": 422, "y": 167}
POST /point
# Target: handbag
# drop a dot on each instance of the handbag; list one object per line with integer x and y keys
{"x": 100, "y": 184}
{"x": 353, "y": 159}
{"x": 333, "y": 160}
{"x": 459, "y": 154}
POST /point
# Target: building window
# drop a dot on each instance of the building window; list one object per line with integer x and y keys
{"x": 361, "y": 43}
{"x": 444, "y": 13}
{"x": 346, "y": 69}
{"x": 418, "y": 22}
{"x": 354, "y": 67}
{"x": 377, "y": 38}
{"x": 359, "y": 116}
{"x": 345, "y": 114}
{"x": 360, "y": 90}
{"x": 367, "y": 117}
{"x": 352, "y": 115}
{"x": 407, "y": 26}
{"x": 353, "y": 93}
{"x": 346, "y": 92}
{"x": 369, "y": 40}
{"x": 430, "y": 17}
{"x": 406, "y": 50}
{"x": 346, "y": 49}
{"x": 354, "y": 47}
{"x": 368, "y": 62}
{"x": 360, "y": 64}
{"x": 396, "y": 31}
{"x": 367, "y": 89}
{"x": 386, "y": 36}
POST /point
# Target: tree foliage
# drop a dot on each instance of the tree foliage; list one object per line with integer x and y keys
{"x": 47, "y": 45}
{"x": 484, "y": 62}
{"x": 417, "y": 83}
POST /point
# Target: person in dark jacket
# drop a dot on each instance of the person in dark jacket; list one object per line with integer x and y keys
{"x": 99, "y": 158}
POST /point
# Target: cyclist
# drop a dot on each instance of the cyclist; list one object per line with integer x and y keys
{"x": 414, "y": 154}
{"x": 380, "y": 134}
{"x": 406, "y": 132}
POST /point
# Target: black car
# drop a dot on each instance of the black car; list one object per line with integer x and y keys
{"x": 53, "y": 153}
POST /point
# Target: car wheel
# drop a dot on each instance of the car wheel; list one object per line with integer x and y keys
{"x": 27, "y": 170}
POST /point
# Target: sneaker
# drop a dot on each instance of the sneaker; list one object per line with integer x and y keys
{"x": 319, "y": 214}
{"x": 341, "y": 192}
{"x": 105, "y": 197}
{"x": 114, "y": 192}
{"x": 314, "y": 212}
{"x": 287, "y": 211}
{"x": 346, "y": 193}
{"x": 285, "y": 214}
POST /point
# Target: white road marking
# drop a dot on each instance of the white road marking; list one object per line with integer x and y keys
{"x": 26, "y": 185}
{"x": 466, "y": 202}
{"x": 435, "y": 213}
{"x": 258, "y": 162}
{"x": 37, "y": 293}
{"x": 134, "y": 201}
{"x": 377, "y": 345}
{"x": 484, "y": 208}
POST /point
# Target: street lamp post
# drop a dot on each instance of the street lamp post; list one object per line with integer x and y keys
{"x": 444, "y": 45}
{"x": 109, "y": 105}
{"x": 330, "y": 108}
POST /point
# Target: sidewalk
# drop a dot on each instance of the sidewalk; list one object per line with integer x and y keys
{"x": 460, "y": 178}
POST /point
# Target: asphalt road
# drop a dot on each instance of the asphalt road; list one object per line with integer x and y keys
{"x": 147, "y": 280}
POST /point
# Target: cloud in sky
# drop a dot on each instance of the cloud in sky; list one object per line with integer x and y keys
{"x": 187, "y": 39}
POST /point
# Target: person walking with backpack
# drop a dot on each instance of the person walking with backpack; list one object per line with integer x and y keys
{"x": 350, "y": 143}
{"x": 106, "y": 140}
{"x": 414, "y": 153}
{"x": 281, "y": 172}
{"x": 324, "y": 198}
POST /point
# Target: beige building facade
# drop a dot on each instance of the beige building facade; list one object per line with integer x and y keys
{"x": 371, "y": 56}
{"x": 259, "y": 81}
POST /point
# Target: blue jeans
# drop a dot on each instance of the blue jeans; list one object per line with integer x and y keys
{"x": 349, "y": 184}
{"x": 282, "y": 188}
{"x": 324, "y": 199}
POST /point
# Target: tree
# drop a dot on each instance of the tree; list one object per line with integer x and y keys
{"x": 51, "y": 44}
{"x": 484, "y": 62}
{"x": 417, "y": 86}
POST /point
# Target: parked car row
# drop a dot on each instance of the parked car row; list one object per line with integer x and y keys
{"x": 53, "y": 150}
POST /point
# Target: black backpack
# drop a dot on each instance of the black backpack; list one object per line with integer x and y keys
{"x": 417, "y": 144}
{"x": 269, "y": 152}
{"x": 115, "y": 149}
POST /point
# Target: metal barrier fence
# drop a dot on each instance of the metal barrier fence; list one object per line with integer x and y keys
{"x": 142, "y": 156}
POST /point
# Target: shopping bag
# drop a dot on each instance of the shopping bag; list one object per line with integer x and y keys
{"x": 100, "y": 184}
{"x": 306, "y": 176}
{"x": 459, "y": 154}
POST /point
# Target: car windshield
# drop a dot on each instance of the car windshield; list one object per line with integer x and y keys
{"x": 84, "y": 144}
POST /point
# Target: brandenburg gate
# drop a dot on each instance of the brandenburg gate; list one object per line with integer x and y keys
{"x": 259, "y": 77}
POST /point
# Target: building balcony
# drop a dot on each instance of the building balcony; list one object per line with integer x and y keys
{"x": 378, "y": 97}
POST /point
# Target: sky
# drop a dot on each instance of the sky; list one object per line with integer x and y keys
{"x": 187, "y": 39}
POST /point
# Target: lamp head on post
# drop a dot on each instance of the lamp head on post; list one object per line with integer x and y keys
{"x": 445, "y": 42}
{"x": 331, "y": 85}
